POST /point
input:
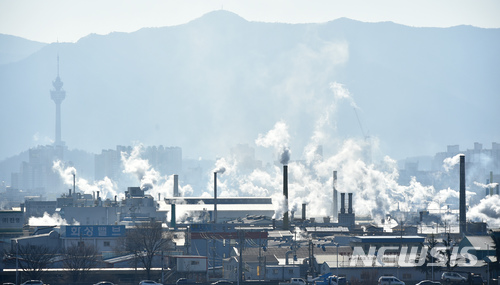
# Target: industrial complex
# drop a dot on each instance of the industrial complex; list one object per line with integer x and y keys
{"x": 248, "y": 239}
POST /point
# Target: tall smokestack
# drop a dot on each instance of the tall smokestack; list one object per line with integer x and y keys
{"x": 172, "y": 216}
{"x": 176, "y": 185}
{"x": 342, "y": 203}
{"x": 303, "y": 211}
{"x": 285, "y": 193}
{"x": 462, "y": 195}
{"x": 349, "y": 209}
{"x": 74, "y": 184}
{"x": 215, "y": 197}
{"x": 335, "y": 209}
{"x": 491, "y": 181}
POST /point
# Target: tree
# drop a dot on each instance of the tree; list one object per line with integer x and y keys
{"x": 145, "y": 240}
{"x": 495, "y": 266}
{"x": 429, "y": 257}
{"x": 33, "y": 260}
{"x": 447, "y": 253}
{"x": 79, "y": 259}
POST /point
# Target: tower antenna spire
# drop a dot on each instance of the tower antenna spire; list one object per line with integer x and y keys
{"x": 58, "y": 94}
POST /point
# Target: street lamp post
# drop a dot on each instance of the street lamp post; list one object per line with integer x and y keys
{"x": 17, "y": 261}
{"x": 488, "y": 269}
{"x": 337, "y": 261}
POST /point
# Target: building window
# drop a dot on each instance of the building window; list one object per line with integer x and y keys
{"x": 12, "y": 220}
{"x": 194, "y": 262}
{"x": 275, "y": 271}
{"x": 290, "y": 271}
{"x": 106, "y": 243}
{"x": 17, "y": 220}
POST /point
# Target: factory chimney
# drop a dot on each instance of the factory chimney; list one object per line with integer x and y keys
{"x": 462, "y": 218}
{"x": 349, "y": 210}
{"x": 303, "y": 211}
{"x": 215, "y": 197}
{"x": 172, "y": 216}
{"x": 342, "y": 203}
{"x": 491, "y": 181}
{"x": 285, "y": 193}
{"x": 335, "y": 209}
{"x": 176, "y": 185}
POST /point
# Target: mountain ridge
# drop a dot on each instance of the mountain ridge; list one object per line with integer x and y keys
{"x": 226, "y": 84}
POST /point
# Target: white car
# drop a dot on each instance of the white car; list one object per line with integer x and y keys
{"x": 452, "y": 277}
{"x": 389, "y": 280}
{"x": 33, "y": 282}
{"x": 148, "y": 282}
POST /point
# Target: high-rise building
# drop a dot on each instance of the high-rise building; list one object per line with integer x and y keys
{"x": 58, "y": 94}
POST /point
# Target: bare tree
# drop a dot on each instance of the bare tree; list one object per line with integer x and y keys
{"x": 447, "y": 253}
{"x": 496, "y": 265}
{"x": 429, "y": 258}
{"x": 79, "y": 259}
{"x": 33, "y": 260}
{"x": 146, "y": 240}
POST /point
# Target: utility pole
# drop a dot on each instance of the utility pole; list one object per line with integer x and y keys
{"x": 241, "y": 237}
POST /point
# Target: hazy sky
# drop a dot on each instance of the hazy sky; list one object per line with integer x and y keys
{"x": 67, "y": 21}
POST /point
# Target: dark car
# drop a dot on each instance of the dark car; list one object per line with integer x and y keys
{"x": 428, "y": 282}
{"x": 475, "y": 280}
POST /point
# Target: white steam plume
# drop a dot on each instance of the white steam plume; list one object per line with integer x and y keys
{"x": 134, "y": 164}
{"x": 450, "y": 162}
{"x": 486, "y": 186}
{"x": 106, "y": 187}
{"x": 277, "y": 138}
{"x": 49, "y": 220}
{"x": 488, "y": 210}
{"x": 150, "y": 179}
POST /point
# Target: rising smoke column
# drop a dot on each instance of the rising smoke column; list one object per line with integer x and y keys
{"x": 134, "y": 164}
{"x": 106, "y": 187}
{"x": 150, "y": 179}
{"x": 278, "y": 138}
{"x": 375, "y": 187}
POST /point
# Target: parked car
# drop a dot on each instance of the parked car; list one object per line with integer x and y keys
{"x": 389, "y": 280}
{"x": 184, "y": 281}
{"x": 452, "y": 277}
{"x": 33, "y": 282}
{"x": 222, "y": 282}
{"x": 148, "y": 282}
{"x": 428, "y": 282}
{"x": 104, "y": 283}
{"x": 474, "y": 279}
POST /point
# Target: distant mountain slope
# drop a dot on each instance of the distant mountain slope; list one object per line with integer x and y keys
{"x": 221, "y": 80}
{"x": 14, "y": 48}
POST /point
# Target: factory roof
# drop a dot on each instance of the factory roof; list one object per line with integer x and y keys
{"x": 388, "y": 239}
{"x": 220, "y": 201}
